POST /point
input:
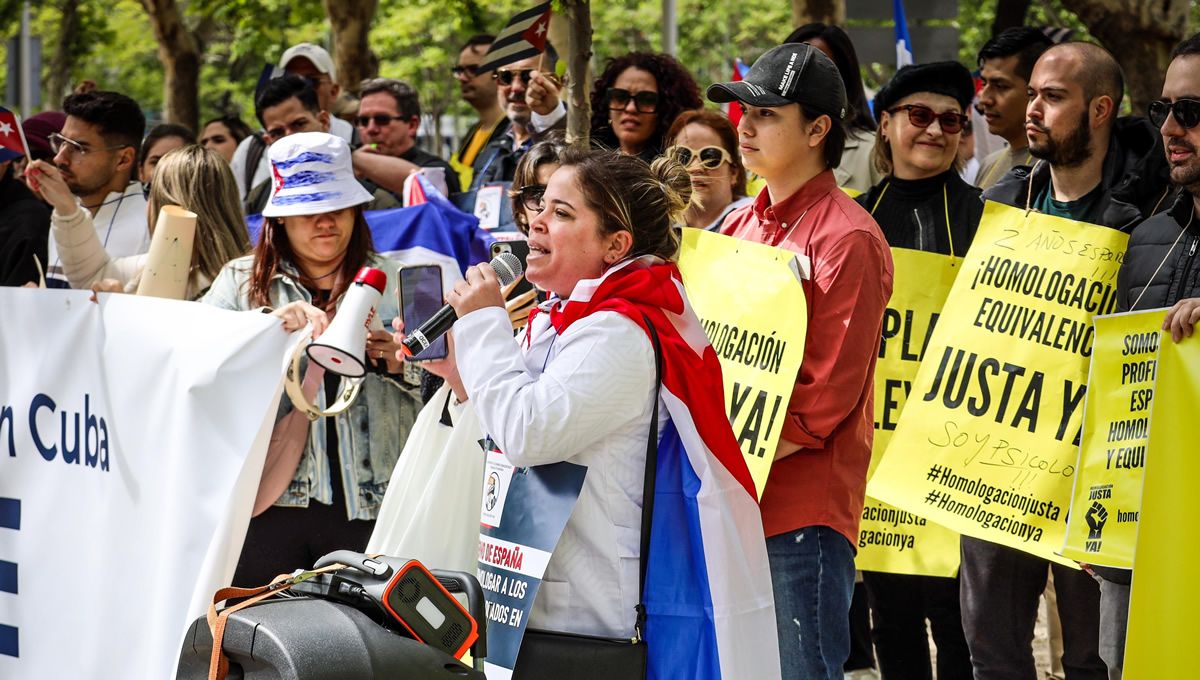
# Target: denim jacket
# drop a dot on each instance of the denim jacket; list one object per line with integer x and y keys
{"x": 370, "y": 433}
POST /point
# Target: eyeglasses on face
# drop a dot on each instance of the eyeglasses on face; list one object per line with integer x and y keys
{"x": 532, "y": 197}
{"x": 1186, "y": 112}
{"x": 467, "y": 71}
{"x": 505, "y": 76}
{"x": 381, "y": 120}
{"x": 74, "y": 148}
{"x": 922, "y": 116}
{"x": 710, "y": 157}
{"x": 645, "y": 101}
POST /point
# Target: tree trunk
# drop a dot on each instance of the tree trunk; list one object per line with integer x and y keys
{"x": 823, "y": 11}
{"x": 1009, "y": 14}
{"x": 179, "y": 50}
{"x": 60, "y": 67}
{"x": 351, "y": 23}
{"x": 579, "y": 54}
{"x": 1140, "y": 35}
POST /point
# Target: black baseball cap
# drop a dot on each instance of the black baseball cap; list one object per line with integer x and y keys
{"x": 792, "y": 73}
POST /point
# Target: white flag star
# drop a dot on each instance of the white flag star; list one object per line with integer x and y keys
{"x": 541, "y": 30}
{"x": 5, "y": 129}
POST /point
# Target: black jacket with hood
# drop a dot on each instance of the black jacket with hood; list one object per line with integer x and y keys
{"x": 1135, "y": 177}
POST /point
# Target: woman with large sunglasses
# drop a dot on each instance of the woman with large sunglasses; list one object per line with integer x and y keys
{"x": 706, "y": 143}
{"x": 636, "y": 99}
{"x": 921, "y": 204}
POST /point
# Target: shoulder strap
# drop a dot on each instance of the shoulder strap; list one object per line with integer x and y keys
{"x": 648, "y": 485}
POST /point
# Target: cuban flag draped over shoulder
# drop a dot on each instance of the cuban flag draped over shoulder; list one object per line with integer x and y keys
{"x": 710, "y": 608}
{"x": 431, "y": 231}
{"x": 904, "y": 53}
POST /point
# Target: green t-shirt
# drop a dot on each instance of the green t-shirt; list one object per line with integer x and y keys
{"x": 1087, "y": 208}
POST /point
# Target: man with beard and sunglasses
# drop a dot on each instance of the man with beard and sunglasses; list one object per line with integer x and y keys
{"x": 1091, "y": 167}
{"x": 1160, "y": 270}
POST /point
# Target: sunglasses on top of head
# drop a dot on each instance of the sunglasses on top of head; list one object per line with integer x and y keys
{"x": 645, "y": 101}
{"x": 1186, "y": 112}
{"x": 922, "y": 116}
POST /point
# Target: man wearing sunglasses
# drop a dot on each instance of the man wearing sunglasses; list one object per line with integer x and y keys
{"x": 96, "y": 153}
{"x": 389, "y": 116}
{"x": 479, "y": 90}
{"x": 312, "y": 63}
{"x": 1091, "y": 166}
{"x": 791, "y": 134}
{"x": 1159, "y": 270}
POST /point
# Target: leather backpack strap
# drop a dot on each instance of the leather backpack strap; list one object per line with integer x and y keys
{"x": 648, "y": 484}
{"x": 218, "y": 663}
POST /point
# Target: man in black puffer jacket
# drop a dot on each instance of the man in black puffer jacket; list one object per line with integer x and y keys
{"x": 1161, "y": 269}
{"x": 1092, "y": 167}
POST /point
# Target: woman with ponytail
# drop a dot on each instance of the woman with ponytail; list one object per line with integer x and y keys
{"x": 580, "y": 385}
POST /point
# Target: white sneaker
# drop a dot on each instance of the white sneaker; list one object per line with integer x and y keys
{"x": 863, "y": 674}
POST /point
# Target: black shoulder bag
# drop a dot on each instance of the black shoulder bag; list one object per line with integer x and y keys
{"x": 551, "y": 655}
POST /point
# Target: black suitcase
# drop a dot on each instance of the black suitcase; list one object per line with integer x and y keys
{"x": 312, "y": 637}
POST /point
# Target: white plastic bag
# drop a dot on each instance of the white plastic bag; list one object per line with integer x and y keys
{"x": 431, "y": 510}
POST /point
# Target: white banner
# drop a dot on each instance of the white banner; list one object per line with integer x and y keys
{"x": 132, "y": 437}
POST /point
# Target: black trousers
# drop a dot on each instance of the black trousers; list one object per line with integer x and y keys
{"x": 900, "y": 604}
{"x": 1000, "y": 588}
{"x": 282, "y": 540}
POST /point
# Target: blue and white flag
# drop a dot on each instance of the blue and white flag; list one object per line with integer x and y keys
{"x": 904, "y": 52}
{"x": 434, "y": 232}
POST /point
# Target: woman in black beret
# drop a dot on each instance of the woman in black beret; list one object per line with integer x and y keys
{"x": 921, "y": 204}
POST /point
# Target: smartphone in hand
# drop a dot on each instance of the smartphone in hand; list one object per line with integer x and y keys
{"x": 421, "y": 296}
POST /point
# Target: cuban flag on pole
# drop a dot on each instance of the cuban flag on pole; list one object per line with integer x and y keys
{"x": 904, "y": 53}
{"x": 709, "y": 603}
{"x": 12, "y": 137}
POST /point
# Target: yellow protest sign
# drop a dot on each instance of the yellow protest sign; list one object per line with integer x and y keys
{"x": 1112, "y": 455}
{"x": 751, "y": 303}
{"x": 988, "y": 439}
{"x": 889, "y": 539}
{"x": 1166, "y": 595}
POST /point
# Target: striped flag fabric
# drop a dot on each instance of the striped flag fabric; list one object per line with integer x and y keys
{"x": 904, "y": 51}
{"x": 709, "y": 603}
{"x": 523, "y": 37}
{"x": 12, "y": 137}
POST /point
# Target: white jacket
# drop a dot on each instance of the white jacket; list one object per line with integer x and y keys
{"x": 584, "y": 397}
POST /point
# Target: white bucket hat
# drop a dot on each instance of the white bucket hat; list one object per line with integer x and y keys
{"x": 311, "y": 173}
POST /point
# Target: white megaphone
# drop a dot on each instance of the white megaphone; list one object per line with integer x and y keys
{"x": 342, "y": 346}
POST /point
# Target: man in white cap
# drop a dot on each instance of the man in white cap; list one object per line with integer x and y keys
{"x": 314, "y": 64}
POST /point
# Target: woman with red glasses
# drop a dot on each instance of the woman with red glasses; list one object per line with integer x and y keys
{"x": 635, "y": 100}
{"x": 706, "y": 143}
{"x": 921, "y": 204}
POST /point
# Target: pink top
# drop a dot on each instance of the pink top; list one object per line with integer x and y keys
{"x": 831, "y": 411}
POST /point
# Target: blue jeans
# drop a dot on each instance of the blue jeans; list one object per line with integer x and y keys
{"x": 812, "y": 571}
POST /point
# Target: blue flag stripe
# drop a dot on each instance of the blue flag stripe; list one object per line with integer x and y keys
{"x": 10, "y": 513}
{"x": 8, "y": 640}
{"x": 680, "y": 632}
{"x": 8, "y": 577}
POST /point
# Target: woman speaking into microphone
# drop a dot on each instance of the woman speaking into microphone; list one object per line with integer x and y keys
{"x": 579, "y": 385}
{"x": 314, "y": 240}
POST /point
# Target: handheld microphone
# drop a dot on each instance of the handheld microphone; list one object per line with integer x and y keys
{"x": 507, "y": 268}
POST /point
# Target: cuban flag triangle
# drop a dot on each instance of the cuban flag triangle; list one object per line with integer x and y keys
{"x": 524, "y": 36}
{"x": 12, "y": 137}
{"x": 733, "y": 109}
{"x": 709, "y": 604}
{"x": 904, "y": 53}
